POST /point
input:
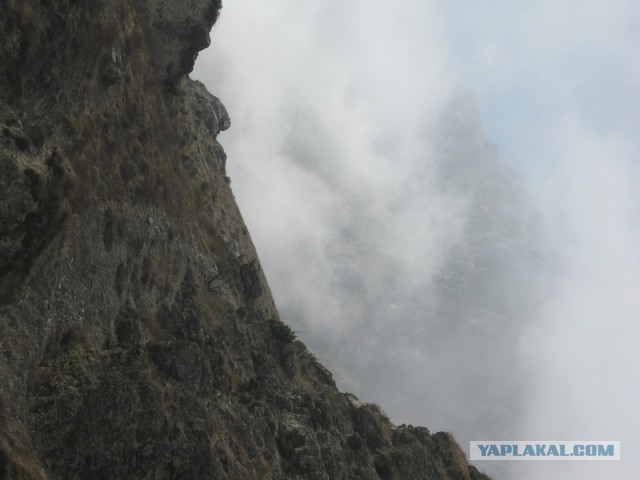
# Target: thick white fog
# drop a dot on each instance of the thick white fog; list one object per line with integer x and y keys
{"x": 443, "y": 199}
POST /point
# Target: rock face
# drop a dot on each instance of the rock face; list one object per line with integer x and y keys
{"x": 138, "y": 335}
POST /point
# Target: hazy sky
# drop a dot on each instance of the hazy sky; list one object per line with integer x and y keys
{"x": 335, "y": 154}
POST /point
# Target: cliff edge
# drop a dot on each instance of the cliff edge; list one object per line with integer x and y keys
{"x": 138, "y": 335}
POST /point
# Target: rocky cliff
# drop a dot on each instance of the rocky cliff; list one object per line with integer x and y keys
{"x": 138, "y": 335}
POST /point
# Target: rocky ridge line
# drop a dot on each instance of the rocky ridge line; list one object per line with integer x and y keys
{"x": 138, "y": 335}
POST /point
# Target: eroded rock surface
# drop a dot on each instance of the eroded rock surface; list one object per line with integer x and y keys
{"x": 138, "y": 335}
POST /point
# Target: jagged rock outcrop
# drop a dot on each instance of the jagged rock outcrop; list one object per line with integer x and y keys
{"x": 138, "y": 336}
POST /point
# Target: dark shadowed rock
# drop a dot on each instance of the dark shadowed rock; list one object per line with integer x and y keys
{"x": 179, "y": 30}
{"x": 138, "y": 335}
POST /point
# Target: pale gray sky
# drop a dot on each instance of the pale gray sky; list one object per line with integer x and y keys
{"x": 335, "y": 153}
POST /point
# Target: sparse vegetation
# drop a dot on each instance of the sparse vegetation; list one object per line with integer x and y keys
{"x": 140, "y": 337}
{"x": 282, "y": 331}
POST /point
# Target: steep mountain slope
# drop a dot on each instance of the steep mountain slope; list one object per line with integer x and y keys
{"x": 138, "y": 336}
{"x": 429, "y": 250}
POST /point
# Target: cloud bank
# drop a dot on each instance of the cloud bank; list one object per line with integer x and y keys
{"x": 429, "y": 276}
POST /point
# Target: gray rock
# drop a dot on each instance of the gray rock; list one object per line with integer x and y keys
{"x": 138, "y": 335}
{"x": 179, "y": 30}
